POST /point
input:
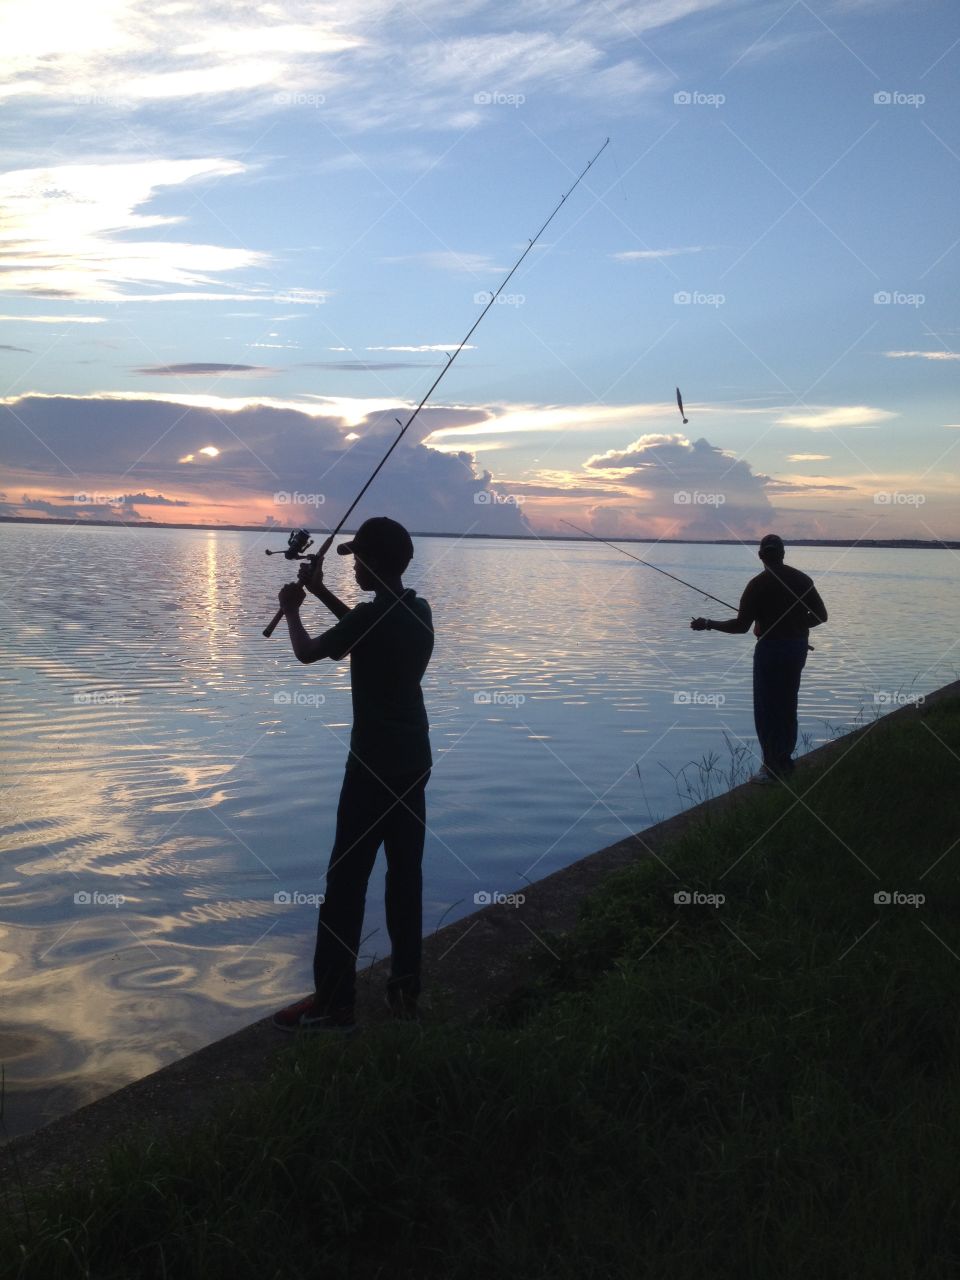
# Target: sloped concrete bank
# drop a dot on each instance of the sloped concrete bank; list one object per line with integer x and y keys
{"x": 467, "y": 965}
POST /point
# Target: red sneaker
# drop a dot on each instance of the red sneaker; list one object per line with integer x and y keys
{"x": 307, "y": 1015}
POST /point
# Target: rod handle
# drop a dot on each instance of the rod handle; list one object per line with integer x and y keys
{"x": 271, "y": 627}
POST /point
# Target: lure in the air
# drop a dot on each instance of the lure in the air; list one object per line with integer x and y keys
{"x": 680, "y": 406}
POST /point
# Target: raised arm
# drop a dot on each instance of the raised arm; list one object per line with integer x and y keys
{"x": 333, "y": 643}
{"x": 311, "y": 577}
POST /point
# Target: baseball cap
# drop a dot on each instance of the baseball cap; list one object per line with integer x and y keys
{"x": 772, "y": 542}
{"x": 383, "y": 540}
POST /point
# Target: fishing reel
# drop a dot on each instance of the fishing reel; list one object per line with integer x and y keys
{"x": 296, "y": 549}
{"x": 297, "y": 544}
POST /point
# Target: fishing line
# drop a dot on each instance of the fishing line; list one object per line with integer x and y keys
{"x": 271, "y": 627}
{"x": 699, "y": 590}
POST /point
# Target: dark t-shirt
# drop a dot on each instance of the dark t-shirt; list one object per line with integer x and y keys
{"x": 389, "y": 640}
{"x": 780, "y": 602}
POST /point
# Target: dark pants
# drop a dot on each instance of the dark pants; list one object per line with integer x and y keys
{"x": 777, "y": 664}
{"x": 371, "y": 812}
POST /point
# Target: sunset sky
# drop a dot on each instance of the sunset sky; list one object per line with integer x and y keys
{"x": 237, "y": 240}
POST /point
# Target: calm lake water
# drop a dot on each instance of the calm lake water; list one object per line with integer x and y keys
{"x": 177, "y": 771}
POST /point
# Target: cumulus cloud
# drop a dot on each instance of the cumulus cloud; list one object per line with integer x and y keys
{"x": 284, "y": 462}
{"x": 693, "y": 487}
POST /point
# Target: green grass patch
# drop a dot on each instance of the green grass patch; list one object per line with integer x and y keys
{"x": 763, "y": 1088}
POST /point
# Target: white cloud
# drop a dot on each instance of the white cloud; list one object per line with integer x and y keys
{"x": 826, "y": 418}
{"x": 366, "y": 62}
{"x": 305, "y": 297}
{"x": 807, "y": 457}
{"x": 452, "y": 260}
{"x": 62, "y": 229}
{"x": 56, "y": 319}
{"x": 642, "y": 255}
{"x": 427, "y": 346}
{"x": 513, "y": 419}
{"x": 922, "y": 355}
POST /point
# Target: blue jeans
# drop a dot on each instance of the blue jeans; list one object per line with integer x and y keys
{"x": 777, "y": 664}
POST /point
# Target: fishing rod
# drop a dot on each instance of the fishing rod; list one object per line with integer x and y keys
{"x": 292, "y": 553}
{"x": 701, "y": 592}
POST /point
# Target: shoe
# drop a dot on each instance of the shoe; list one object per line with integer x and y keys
{"x": 402, "y": 1007}
{"x": 763, "y": 778}
{"x": 306, "y": 1015}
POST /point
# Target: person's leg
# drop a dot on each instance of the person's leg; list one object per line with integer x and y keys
{"x": 403, "y": 837}
{"x": 359, "y": 834}
{"x": 785, "y": 662}
{"x": 761, "y": 700}
{"x": 794, "y": 660}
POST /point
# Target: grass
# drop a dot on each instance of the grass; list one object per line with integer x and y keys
{"x": 765, "y": 1088}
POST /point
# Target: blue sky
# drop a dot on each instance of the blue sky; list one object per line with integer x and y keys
{"x": 319, "y": 192}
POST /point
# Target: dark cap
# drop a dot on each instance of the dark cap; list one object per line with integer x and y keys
{"x": 772, "y": 542}
{"x": 382, "y": 540}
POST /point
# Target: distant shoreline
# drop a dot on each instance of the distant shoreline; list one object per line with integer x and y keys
{"x": 917, "y": 544}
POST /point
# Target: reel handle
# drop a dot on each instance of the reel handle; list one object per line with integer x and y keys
{"x": 271, "y": 626}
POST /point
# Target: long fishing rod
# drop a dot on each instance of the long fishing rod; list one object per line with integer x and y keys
{"x": 269, "y": 630}
{"x": 699, "y": 590}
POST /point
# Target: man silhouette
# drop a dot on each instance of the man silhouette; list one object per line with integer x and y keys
{"x": 781, "y": 604}
{"x": 389, "y": 640}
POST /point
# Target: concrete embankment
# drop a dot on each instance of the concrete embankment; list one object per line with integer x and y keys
{"x": 467, "y": 965}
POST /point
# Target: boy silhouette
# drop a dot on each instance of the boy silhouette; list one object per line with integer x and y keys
{"x": 389, "y": 640}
